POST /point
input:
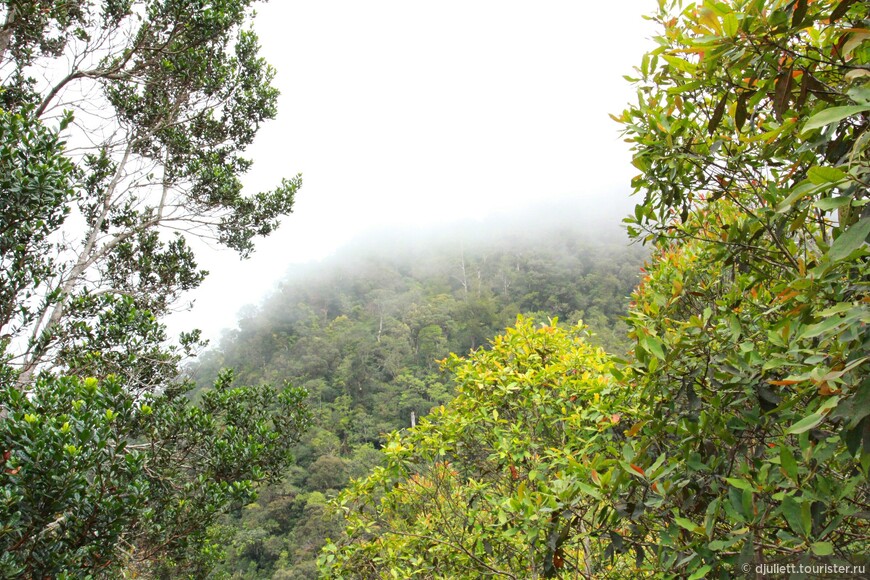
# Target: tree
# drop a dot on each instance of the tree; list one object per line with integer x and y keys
{"x": 738, "y": 432}
{"x": 97, "y": 479}
{"x": 158, "y": 99}
{"x": 751, "y": 351}
{"x": 35, "y": 178}
{"x": 122, "y": 129}
{"x": 503, "y": 480}
{"x": 357, "y": 393}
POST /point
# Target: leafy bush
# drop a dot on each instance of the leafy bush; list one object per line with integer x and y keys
{"x": 507, "y": 479}
{"x": 96, "y": 479}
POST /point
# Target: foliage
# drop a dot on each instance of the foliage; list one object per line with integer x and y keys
{"x": 749, "y": 433}
{"x": 751, "y": 344}
{"x": 158, "y": 100}
{"x": 361, "y": 333}
{"x": 756, "y": 468}
{"x": 97, "y": 480}
{"x": 35, "y": 179}
{"x": 65, "y": 435}
{"x": 495, "y": 482}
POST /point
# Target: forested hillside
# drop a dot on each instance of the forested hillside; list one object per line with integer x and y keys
{"x": 364, "y": 331}
{"x": 734, "y": 440}
{"x": 429, "y": 406}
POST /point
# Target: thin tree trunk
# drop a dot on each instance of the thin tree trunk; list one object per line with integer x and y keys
{"x": 6, "y": 31}
{"x": 85, "y": 260}
{"x": 464, "y": 279}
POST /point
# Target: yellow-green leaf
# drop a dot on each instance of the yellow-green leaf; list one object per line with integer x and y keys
{"x": 850, "y": 240}
{"x": 805, "y": 424}
{"x": 833, "y": 115}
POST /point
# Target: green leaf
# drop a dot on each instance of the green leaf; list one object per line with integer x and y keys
{"x": 589, "y": 490}
{"x": 855, "y": 407}
{"x": 823, "y": 174}
{"x": 701, "y": 572}
{"x": 654, "y": 345}
{"x": 739, "y": 483}
{"x": 802, "y": 189}
{"x": 830, "y": 203}
{"x": 807, "y": 517}
{"x": 685, "y": 88}
{"x": 823, "y": 548}
{"x": 822, "y": 327}
{"x": 730, "y": 24}
{"x": 850, "y": 240}
{"x": 833, "y": 115}
{"x": 717, "y": 545}
{"x": 791, "y": 510}
{"x": 679, "y": 63}
{"x": 805, "y": 424}
{"x": 788, "y": 463}
{"x": 688, "y": 524}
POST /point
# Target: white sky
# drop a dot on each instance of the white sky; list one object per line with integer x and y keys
{"x": 407, "y": 113}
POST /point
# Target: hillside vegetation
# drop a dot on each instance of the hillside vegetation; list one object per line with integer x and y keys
{"x": 363, "y": 333}
{"x": 735, "y": 438}
{"x": 436, "y": 409}
{"x": 124, "y": 128}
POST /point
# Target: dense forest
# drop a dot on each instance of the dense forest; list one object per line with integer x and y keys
{"x": 363, "y": 334}
{"x": 734, "y": 440}
{"x": 437, "y": 410}
{"x": 123, "y": 131}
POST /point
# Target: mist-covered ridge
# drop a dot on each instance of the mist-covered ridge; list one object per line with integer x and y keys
{"x": 363, "y": 330}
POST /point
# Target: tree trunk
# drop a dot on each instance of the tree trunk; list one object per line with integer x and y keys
{"x": 6, "y": 32}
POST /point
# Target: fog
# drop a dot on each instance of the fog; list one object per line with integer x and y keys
{"x": 406, "y": 117}
{"x": 549, "y": 237}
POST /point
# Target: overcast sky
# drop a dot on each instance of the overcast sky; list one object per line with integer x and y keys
{"x": 410, "y": 113}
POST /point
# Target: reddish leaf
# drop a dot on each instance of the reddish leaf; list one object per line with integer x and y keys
{"x": 826, "y": 391}
{"x": 740, "y": 112}
{"x": 716, "y": 117}
{"x": 595, "y": 477}
{"x": 805, "y": 87}
{"x": 800, "y": 10}
{"x": 635, "y": 429}
{"x": 782, "y": 92}
{"x": 818, "y": 89}
{"x": 841, "y": 9}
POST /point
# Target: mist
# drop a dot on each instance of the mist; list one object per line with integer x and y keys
{"x": 547, "y": 222}
{"x": 403, "y": 119}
